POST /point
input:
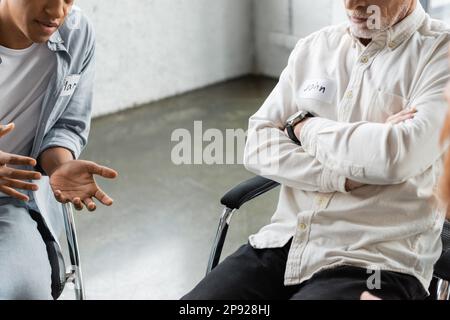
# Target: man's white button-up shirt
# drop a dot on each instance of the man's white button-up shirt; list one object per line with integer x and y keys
{"x": 393, "y": 222}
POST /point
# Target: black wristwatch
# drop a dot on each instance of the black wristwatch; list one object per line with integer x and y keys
{"x": 293, "y": 121}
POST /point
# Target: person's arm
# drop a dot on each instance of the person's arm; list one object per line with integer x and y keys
{"x": 272, "y": 154}
{"x": 51, "y": 159}
{"x": 385, "y": 154}
{"x": 71, "y": 130}
{"x": 73, "y": 180}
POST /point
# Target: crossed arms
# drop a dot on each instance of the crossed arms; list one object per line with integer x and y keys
{"x": 333, "y": 153}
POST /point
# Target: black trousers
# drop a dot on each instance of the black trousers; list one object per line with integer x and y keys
{"x": 258, "y": 274}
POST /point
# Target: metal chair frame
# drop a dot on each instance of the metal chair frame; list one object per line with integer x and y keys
{"x": 73, "y": 272}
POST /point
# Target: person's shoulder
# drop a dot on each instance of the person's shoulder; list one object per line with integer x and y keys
{"x": 434, "y": 29}
{"x": 433, "y": 37}
{"x": 77, "y": 28}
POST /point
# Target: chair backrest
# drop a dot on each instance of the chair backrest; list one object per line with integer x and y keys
{"x": 442, "y": 267}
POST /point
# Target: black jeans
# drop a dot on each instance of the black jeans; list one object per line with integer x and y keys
{"x": 258, "y": 274}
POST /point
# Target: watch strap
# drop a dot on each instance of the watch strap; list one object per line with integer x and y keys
{"x": 291, "y": 133}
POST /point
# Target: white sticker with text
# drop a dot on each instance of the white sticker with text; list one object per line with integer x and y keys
{"x": 318, "y": 89}
{"x": 70, "y": 84}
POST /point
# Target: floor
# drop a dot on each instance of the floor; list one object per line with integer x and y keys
{"x": 154, "y": 242}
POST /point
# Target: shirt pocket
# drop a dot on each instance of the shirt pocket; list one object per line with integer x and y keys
{"x": 385, "y": 104}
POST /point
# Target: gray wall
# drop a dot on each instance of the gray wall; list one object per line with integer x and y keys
{"x": 279, "y": 24}
{"x": 440, "y": 9}
{"x": 151, "y": 49}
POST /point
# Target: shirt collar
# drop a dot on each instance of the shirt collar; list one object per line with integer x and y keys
{"x": 56, "y": 37}
{"x": 402, "y": 31}
{"x": 56, "y": 43}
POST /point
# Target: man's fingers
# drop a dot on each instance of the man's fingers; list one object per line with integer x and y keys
{"x": 90, "y": 204}
{"x": 406, "y": 117}
{"x": 14, "y": 193}
{"x": 59, "y": 196}
{"x": 103, "y": 198}
{"x": 401, "y": 118}
{"x": 4, "y": 130}
{"x": 403, "y": 112}
{"x": 408, "y": 110}
{"x": 19, "y": 174}
{"x": 102, "y": 171}
{"x": 18, "y": 184}
{"x": 77, "y": 203}
{"x": 13, "y": 159}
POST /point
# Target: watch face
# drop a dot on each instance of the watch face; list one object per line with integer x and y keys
{"x": 294, "y": 117}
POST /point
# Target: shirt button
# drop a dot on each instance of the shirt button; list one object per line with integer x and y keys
{"x": 365, "y": 59}
{"x": 302, "y": 226}
{"x": 350, "y": 94}
{"x": 391, "y": 45}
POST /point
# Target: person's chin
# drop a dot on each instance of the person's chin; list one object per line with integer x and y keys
{"x": 362, "y": 33}
{"x": 39, "y": 33}
{"x": 39, "y": 38}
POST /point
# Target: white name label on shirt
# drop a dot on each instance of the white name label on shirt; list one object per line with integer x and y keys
{"x": 318, "y": 89}
{"x": 70, "y": 84}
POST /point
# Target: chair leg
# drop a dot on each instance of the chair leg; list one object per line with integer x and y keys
{"x": 443, "y": 290}
{"x": 221, "y": 235}
{"x": 74, "y": 274}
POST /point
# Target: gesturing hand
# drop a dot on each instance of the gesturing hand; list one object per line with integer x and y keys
{"x": 74, "y": 182}
{"x": 11, "y": 179}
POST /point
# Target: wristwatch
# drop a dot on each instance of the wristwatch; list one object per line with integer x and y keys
{"x": 293, "y": 121}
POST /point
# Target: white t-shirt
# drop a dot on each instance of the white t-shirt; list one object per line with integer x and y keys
{"x": 24, "y": 78}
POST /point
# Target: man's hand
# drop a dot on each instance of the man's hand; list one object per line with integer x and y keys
{"x": 74, "y": 182}
{"x": 402, "y": 116}
{"x": 11, "y": 179}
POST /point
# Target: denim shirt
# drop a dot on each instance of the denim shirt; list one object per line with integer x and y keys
{"x": 66, "y": 110}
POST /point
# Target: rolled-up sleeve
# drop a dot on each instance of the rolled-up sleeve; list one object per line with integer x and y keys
{"x": 71, "y": 130}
